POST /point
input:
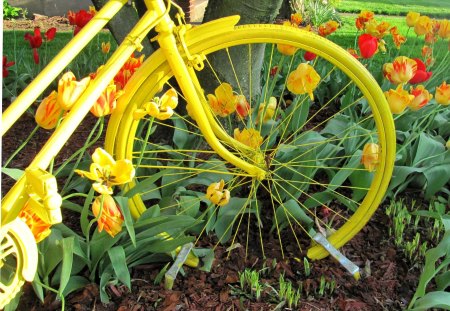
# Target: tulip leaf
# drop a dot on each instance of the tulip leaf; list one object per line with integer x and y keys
{"x": 189, "y": 205}
{"x": 76, "y": 282}
{"x": 66, "y": 270}
{"x": 165, "y": 246}
{"x": 119, "y": 264}
{"x": 291, "y": 212}
{"x": 437, "y": 299}
{"x": 426, "y": 147}
{"x": 84, "y": 220}
{"x": 437, "y": 177}
{"x": 128, "y": 219}
{"x": 14, "y": 173}
{"x": 227, "y": 215}
{"x": 181, "y": 133}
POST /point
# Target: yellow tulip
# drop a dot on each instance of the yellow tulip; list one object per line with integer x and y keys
{"x": 444, "y": 29}
{"x": 303, "y": 80}
{"x": 398, "y": 99}
{"x": 223, "y": 103}
{"x": 159, "y": 108}
{"x": 48, "y": 112}
{"x": 109, "y": 216}
{"x": 378, "y": 30}
{"x": 217, "y": 195}
{"x": 38, "y": 227}
{"x": 106, "y": 47}
{"x": 370, "y": 156}
{"x": 423, "y": 25}
{"x": 442, "y": 94}
{"x": 106, "y": 172}
{"x": 107, "y": 101}
{"x": 266, "y": 114}
{"x": 401, "y": 70}
{"x": 412, "y": 18}
{"x": 69, "y": 90}
{"x": 249, "y": 137}
{"x": 421, "y": 97}
{"x": 286, "y": 49}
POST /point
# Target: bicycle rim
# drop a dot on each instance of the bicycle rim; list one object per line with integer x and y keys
{"x": 312, "y": 149}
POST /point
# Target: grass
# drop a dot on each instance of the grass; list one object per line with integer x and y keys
{"x": 432, "y": 8}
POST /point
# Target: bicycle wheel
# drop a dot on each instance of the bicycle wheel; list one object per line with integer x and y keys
{"x": 18, "y": 259}
{"x": 309, "y": 139}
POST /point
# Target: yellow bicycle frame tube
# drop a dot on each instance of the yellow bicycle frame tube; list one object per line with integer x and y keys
{"x": 181, "y": 72}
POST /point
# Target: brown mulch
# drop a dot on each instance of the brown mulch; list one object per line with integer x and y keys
{"x": 388, "y": 281}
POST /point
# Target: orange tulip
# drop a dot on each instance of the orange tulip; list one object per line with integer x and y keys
{"x": 444, "y": 29}
{"x": 401, "y": 70}
{"x": 249, "y": 137}
{"x": 328, "y": 28}
{"x": 296, "y": 19}
{"x": 109, "y": 216}
{"x": 378, "y": 30}
{"x": 423, "y": 25}
{"x": 370, "y": 156}
{"x": 412, "y": 18}
{"x": 106, "y": 47}
{"x": 303, "y": 80}
{"x": 107, "y": 101}
{"x": 49, "y": 112}
{"x": 127, "y": 70}
{"x": 242, "y": 106}
{"x": 363, "y": 18}
{"x": 217, "y": 195}
{"x": 442, "y": 94}
{"x": 38, "y": 227}
{"x": 398, "y": 99}
{"x": 286, "y": 49}
{"x": 396, "y": 37}
{"x": 421, "y": 97}
{"x": 223, "y": 102}
{"x": 69, "y": 89}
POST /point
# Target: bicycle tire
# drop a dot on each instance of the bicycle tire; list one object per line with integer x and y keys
{"x": 216, "y": 36}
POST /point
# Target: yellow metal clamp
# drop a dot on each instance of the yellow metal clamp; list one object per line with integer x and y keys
{"x": 44, "y": 197}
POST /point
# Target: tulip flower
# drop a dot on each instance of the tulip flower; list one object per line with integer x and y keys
{"x": 107, "y": 101}
{"x": 109, "y": 217}
{"x": 309, "y": 56}
{"x": 378, "y": 30}
{"x": 398, "y": 99}
{"x": 106, "y": 172}
{"x": 50, "y": 34}
{"x": 401, "y": 70}
{"x": 217, "y": 195}
{"x": 106, "y": 47}
{"x": 35, "y": 43}
{"x": 79, "y": 19}
{"x": 160, "y": 108}
{"x": 296, "y": 19}
{"x": 442, "y": 94}
{"x": 69, "y": 89}
{"x": 421, "y": 97}
{"x": 6, "y": 65}
{"x": 396, "y": 37}
{"x": 412, "y": 18}
{"x": 127, "y": 70}
{"x": 303, "y": 80}
{"x": 370, "y": 156}
{"x": 423, "y": 25}
{"x": 328, "y": 28}
{"x": 286, "y": 49}
{"x": 444, "y": 29}
{"x": 242, "y": 106}
{"x": 363, "y": 18}
{"x": 249, "y": 137}
{"x": 49, "y": 112}
{"x": 353, "y": 52}
{"x": 38, "y": 227}
{"x": 266, "y": 113}
{"x": 422, "y": 74}
{"x": 223, "y": 102}
{"x": 368, "y": 45}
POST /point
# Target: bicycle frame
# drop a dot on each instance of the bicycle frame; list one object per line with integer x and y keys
{"x": 156, "y": 17}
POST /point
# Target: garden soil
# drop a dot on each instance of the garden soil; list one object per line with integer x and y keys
{"x": 388, "y": 278}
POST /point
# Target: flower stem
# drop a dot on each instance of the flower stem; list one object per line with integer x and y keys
{"x": 21, "y": 146}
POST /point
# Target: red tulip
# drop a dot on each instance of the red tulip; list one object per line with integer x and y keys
{"x": 79, "y": 19}
{"x": 422, "y": 74}
{"x": 309, "y": 56}
{"x": 36, "y": 40}
{"x": 368, "y": 45}
{"x": 6, "y": 64}
{"x": 50, "y": 34}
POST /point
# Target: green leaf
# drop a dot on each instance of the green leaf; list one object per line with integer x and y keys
{"x": 189, "y": 205}
{"x": 123, "y": 203}
{"x": 67, "y": 261}
{"x": 84, "y": 217}
{"x": 14, "y": 173}
{"x": 165, "y": 246}
{"x": 443, "y": 280}
{"x": 426, "y": 147}
{"x": 181, "y": 133}
{"x": 104, "y": 279}
{"x": 119, "y": 264}
{"x": 207, "y": 255}
{"x": 76, "y": 282}
{"x": 51, "y": 247}
{"x": 437, "y": 299}
{"x": 437, "y": 177}
{"x": 291, "y": 212}
{"x": 227, "y": 216}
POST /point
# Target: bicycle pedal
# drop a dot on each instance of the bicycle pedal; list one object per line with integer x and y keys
{"x": 344, "y": 261}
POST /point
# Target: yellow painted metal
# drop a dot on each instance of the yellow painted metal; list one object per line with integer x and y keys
{"x": 57, "y": 65}
{"x": 202, "y": 40}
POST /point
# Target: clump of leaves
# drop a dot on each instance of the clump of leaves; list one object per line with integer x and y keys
{"x": 10, "y": 12}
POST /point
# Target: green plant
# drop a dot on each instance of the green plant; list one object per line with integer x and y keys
{"x": 316, "y": 12}
{"x": 288, "y": 293}
{"x": 437, "y": 262}
{"x": 10, "y": 12}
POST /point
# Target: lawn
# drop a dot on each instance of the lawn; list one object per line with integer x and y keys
{"x": 433, "y": 8}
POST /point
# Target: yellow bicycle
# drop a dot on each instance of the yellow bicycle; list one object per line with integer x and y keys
{"x": 290, "y": 165}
